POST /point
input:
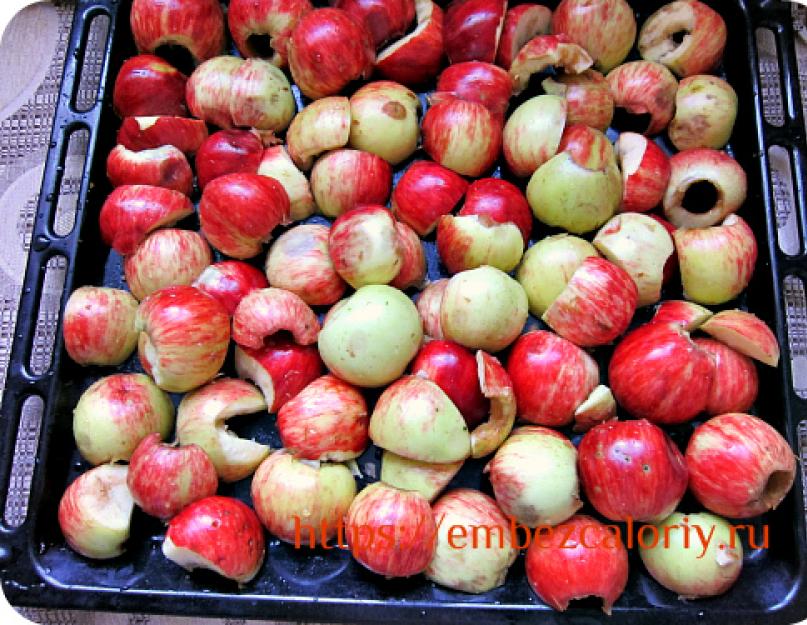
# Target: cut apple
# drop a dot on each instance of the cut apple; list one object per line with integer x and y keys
{"x": 746, "y": 333}
{"x": 415, "y": 58}
{"x": 598, "y": 408}
{"x": 546, "y": 51}
{"x": 521, "y": 23}
{"x": 688, "y": 315}
{"x": 427, "y": 478}
{"x": 497, "y": 387}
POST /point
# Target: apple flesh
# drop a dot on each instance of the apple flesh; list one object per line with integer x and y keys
{"x": 705, "y": 111}
{"x": 587, "y": 95}
{"x": 165, "y": 166}
{"x": 645, "y": 172}
{"x": 415, "y": 58}
{"x": 147, "y": 133}
{"x": 148, "y": 85}
{"x": 545, "y": 51}
{"x": 472, "y": 29}
{"x": 250, "y": 21}
{"x": 424, "y": 193}
{"x": 734, "y": 378}
{"x": 532, "y": 133}
{"x": 427, "y": 478}
{"x": 229, "y": 281}
{"x": 321, "y": 126}
{"x": 429, "y": 303}
{"x": 276, "y": 163}
{"x": 645, "y": 88}
{"x": 521, "y": 23}
{"x": 598, "y": 408}
{"x": 228, "y": 152}
{"x": 746, "y": 333}
{"x": 341, "y": 180}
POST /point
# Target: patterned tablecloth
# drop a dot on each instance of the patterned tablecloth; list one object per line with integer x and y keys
{"x": 34, "y": 46}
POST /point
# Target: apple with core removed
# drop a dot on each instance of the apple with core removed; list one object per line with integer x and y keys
{"x": 148, "y": 85}
{"x": 250, "y": 22}
{"x": 165, "y": 166}
{"x": 645, "y": 88}
{"x": 228, "y": 152}
{"x": 229, "y": 282}
{"x": 415, "y": 58}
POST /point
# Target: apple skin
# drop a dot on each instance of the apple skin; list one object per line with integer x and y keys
{"x": 148, "y": 85}
{"x": 596, "y": 306}
{"x": 657, "y": 373}
{"x": 385, "y": 20}
{"x": 238, "y": 212}
{"x": 276, "y": 163}
{"x": 716, "y": 263}
{"x": 631, "y": 470}
{"x": 168, "y": 257}
{"x": 545, "y": 51}
{"x": 228, "y": 152}
{"x": 564, "y": 567}
{"x": 475, "y": 81}
{"x": 327, "y": 420}
{"x": 521, "y": 23}
{"x": 551, "y": 378}
{"x": 210, "y": 88}
{"x": 412, "y": 544}
{"x": 327, "y": 50}
{"x": 99, "y": 326}
{"x": 217, "y": 533}
{"x": 645, "y": 172}
{"x": 413, "y": 259}
{"x": 532, "y": 133}
{"x": 163, "y": 479}
{"x": 702, "y": 46}
{"x": 343, "y": 179}
{"x": 115, "y": 413}
{"x": 95, "y": 512}
{"x": 424, "y": 193}
{"x": 705, "y": 112}
{"x": 275, "y": 18}
{"x": 608, "y": 43}
{"x": 429, "y": 303}
{"x": 130, "y": 212}
{"x": 739, "y": 466}
{"x": 645, "y": 87}
{"x": 229, "y": 281}
{"x": 426, "y": 478}
{"x": 165, "y": 167}
{"x": 147, "y": 133}
{"x": 454, "y": 369}
{"x": 746, "y": 333}
{"x": 471, "y": 241}
{"x": 734, "y": 378}
{"x": 588, "y": 98}
{"x": 474, "y": 568}
{"x": 184, "y": 336}
{"x": 472, "y": 30}
{"x": 415, "y": 58}
{"x": 599, "y": 407}
{"x": 288, "y": 493}
{"x": 688, "y": 315}
{"x": 501, "y": 201}
{"x": 462, "y": 136}
{"x": 321, "y": 126}
{"x": 299, "y": 261}
{"x": 265, "y": 312}
{"x": 196, "y": 25}
{"x": 496, "y": 386}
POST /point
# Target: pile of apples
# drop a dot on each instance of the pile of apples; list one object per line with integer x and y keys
{"x": 332, "y": 313}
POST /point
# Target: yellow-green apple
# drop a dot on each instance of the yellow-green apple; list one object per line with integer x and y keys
{"x": 343, "y": 179}
{"x": 473, "y": 29}
{"x": 229, "y": 281}
{"x": 415, "y": 58}
{"x": 165, "y": 166}
{"x": 470, "y": 241}
{"x": 746, "y": 333}
{"x": 148, "y": 85}
{"x": 645, "y": 172}
{"x": 545, "y": 51}
{"x": 521, "y": 23}
{"x": 413, "y": 258}
{"x": 276, "y": 163}
{"x": 424, "y": 193}
{"x": 427, "y": 478}
{"x": 263, "y": 28}
{"x": 645, "y": 88}
{"x": 587, "y": 95}
{"x": 734, "y": 378}
{"x": 705, "y": 111}
{"x": 532, "y": 133}
{"x": 429, "y": 303}
{"x": 147, "y": 133}
{"x": 321, "y": 126}
{"x": 228, "y": 152}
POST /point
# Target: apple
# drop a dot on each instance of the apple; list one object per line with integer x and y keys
{"x": 327, "y": 420}
{"x": 497, "y": 387}
{"x": 705, "y": 111}
{"x": 474, "y": 563}
{"x": 322, "y": 125}
{"x": 734, "y": 378}
{"x": 228, "y": 152}
{"x": 184, "y": 335}
{"x": 265, "y": 312}
{"x": 385, "y": 119}
{"x": 658, "y": 373}
{"x": 688, "y": 315}
{"x": 276, "y": 163}
{"x": 384, "y": 19}
{"x": 746, "y": 333}
{"x": 611, "y": 40}
{"x": 210, "y": 87}
{"x": 165, "y": 167}
{"x": 534, "y": 476}
{"x": 263, "y": 28}
{"x": 163, "y": 479}
{"x": 221, "y": 534}
{"x": 130, "y": 212}
{"x": 99, "y": 325}
{"x": 501, "y": 201}
{"x": 429, "y": 303}
{"x": 300, "y": 502}
{"x": 598, "y": 408}
{"x": 473, "y": 29}
{"x": 147, "y": 133}
{"x": 596, "y": 306}
{"x": 698, "y": 51}
{"x": 532, "y": 133}
{"x": 415, "y": 58}
{"x": 521, "y": 23}
{"x": 645, "y": 88}
{"x": 391, "y": 532}
{"x": 551, "y": 378}
{"x": 167, "y": 257}
{"x": 426, "y": 478}
{"x": 148, "y": 85}
{"x": 115, "y": 413}
{"x": 238, "y": 212}
{"x": 483, "y": 308}
{"x": 462, "y": 136}
{"x": 631, "y": 470}
{"x": 548, "y": 266}
{"x": 413, "y": 259}
{"x": 95, "y": 512}
{"x": 717, "y": 262}
{"x": 196, "y": 25}
{"x": 369, "y": 338}
{"x": 343, "y": 179}
{"x": 739, "y": 466}
{"x": 545, "y": 51}
{"x": 328, "y": 49}
{"x": 580, "y": 558}
{"x": 470, "y": 241}
{"x": 229, "y": 281}
{"x": 645, "y": 172}
{"x": 685, "y": 566}
{"x": 587, "y": 95}
{"x": 424, "y": 193}
{"x": 476, "y": 81}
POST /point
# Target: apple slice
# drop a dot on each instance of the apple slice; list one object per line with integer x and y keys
{"x": 521, "y": 23}
{"x": 598, "y": 408}
{"x": 427, "y": 478}
{"x": 415, "y": 58}
{"x": 146, "y": 133}
{"x": 546, "y": 51}
{"x": 746, "y": 333}
{"x": 688, "y": 315}
{"x": 498, "y": 388}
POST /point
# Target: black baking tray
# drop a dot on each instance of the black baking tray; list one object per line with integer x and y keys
{"x": 38, "y": 569}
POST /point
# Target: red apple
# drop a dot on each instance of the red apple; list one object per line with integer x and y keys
{"x": 631, "y": 470}
{"x": 645, "y": 88}
{"x": 521, "y": 23}
{"x": 500, "y": 200}
{"x": 196, "y": 25}
{"x": 734, "y": 378}
{"x": 645, "y": 172}
{"x": 415, "y": 58}
{"x": 264, "y": 312}
{"x": 588, "y": 98}
{"x": 322, "y": 125}
{"x": 413, "y": 259}
{"x": 130, "y": 212}
{"x": 384, "y": 19}
{"x": 476, "y": 81}
{"x": 428, "y": 304}
{"x": 739, "y": 466}
{"x": 99, "y": 326}
{"x": 343, "y": 179}
{"x": 250, "y": 21}
{"x": 424, "y": 193}
{"x": 545, "y": 51}
{"x": 746, "y": 333}
{"x": 327, "y": 50}
{"x": 148, "y": 85}
{"x": 472, "y": 29}
{"x": 228, "y": 152}
{"x": 147, "y": 133}
{"x": 184, "y": 336}
{"x": 496, "y": 387}
{"x": 229, "y": 281}
{"x": 221, "y": 534}
{"x": 688, "y": 315}
{"x": 164, "y": 167}
{"x": 210, "y": 88}
{"x": 276, "y": 163}
{"x": 163, "y": 479}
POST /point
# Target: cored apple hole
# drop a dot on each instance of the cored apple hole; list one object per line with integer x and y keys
{"x": 777, "y": 486}
{"x": 630, "y": 122}
{"x": 678, "y": 37}
{"x": 261, "y": 45}
{"x": 700, "y": 197}
{"x": 178, "y": 56}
